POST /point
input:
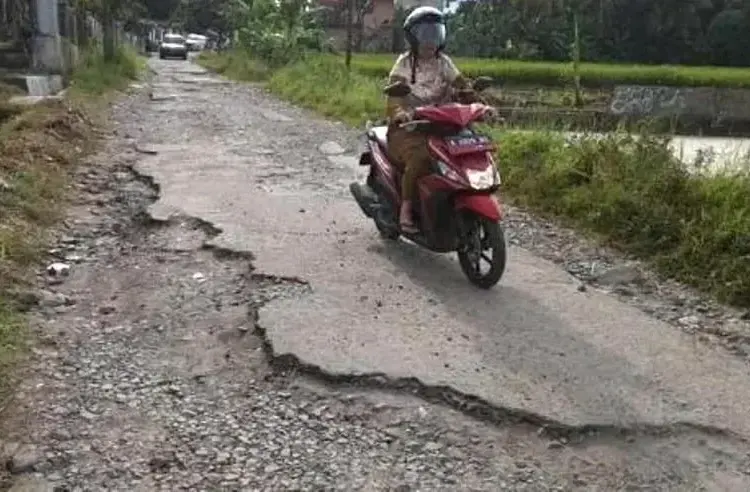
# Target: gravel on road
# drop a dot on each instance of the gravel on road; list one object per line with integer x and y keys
{"x": 148, "y": 373}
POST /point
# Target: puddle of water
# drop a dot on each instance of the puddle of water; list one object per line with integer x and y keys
{"x": 713, "y": 154}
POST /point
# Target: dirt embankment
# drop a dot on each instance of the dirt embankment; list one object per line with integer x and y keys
{"x": 38, "y": 148}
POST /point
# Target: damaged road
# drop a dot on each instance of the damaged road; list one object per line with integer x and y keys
{"x": 230, "y": 321}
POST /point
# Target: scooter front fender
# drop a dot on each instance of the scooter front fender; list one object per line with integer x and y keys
{"x": 484, "y": 205}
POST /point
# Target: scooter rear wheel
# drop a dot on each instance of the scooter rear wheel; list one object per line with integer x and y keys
{"x": 483, "y": 236}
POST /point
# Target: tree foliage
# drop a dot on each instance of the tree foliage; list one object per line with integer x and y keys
{"x": 648, "y": 31}
{"x": 279, "y": 31}
{"x": 200, "y": 16}
{"x": 160, "y": 10}
{"x": 108, "y": 12}
{"x": 276, "y": 31}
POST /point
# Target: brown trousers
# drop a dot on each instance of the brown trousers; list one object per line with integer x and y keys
{"x": 409, "y": 150}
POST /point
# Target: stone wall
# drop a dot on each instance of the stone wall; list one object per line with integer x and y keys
{"x": 717, "y": 104}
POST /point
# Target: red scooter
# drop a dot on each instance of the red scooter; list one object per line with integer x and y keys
{"x": 455, "y": 208}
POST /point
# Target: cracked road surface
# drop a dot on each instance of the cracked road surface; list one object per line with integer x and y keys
{"x": 535, "y": 343}
{"x": 337, "y": 360}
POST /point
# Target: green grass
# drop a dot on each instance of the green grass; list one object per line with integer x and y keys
{"x": 633, "y": 194}
{"x": 626, "y": 191}
{"x": 557, "y": 74}
{"x": 95, "y": 76}
{"x": 351, "y": 97}
{"x": 38, "y": 147}
{"x": 236, "y": 65}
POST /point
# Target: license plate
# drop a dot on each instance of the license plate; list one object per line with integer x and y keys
{"x": 473, "y": 143}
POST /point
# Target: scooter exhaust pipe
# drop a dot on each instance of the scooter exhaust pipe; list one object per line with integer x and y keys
{"x": 365, "y": 197}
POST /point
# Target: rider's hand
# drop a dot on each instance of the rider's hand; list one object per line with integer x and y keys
{"x": 492, "y": 115}
{"x": 402, "y": 117}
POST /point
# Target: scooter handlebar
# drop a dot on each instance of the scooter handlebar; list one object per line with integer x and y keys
{"x": 413, "y": 123}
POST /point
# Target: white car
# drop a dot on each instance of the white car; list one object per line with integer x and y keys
{"x": 173, "y": 46}
{"x": 196, "y": 42}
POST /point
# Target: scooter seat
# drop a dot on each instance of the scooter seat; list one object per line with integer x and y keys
{"x": 380, "y": 135}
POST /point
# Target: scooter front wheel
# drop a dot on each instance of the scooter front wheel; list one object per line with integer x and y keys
{"x": 484, "y": 244}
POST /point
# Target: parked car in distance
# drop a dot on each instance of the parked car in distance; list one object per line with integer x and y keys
{"x": 196, "y": 42}
{"x": 173, "y": 46}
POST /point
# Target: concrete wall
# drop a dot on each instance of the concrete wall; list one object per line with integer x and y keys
{"x": 698, "y": 102}
{"x": 61, "y": 30}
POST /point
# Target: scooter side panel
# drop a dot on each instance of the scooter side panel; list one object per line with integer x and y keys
{"x": 437, "y": 213}
{"x": 384, "y": 172}
{"x": 483, "y": 205}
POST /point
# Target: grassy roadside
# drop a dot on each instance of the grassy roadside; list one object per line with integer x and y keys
{"x": 236, "y": 65}
{"x": 628, "y": 192}
{"x": 560, "y": 74}
{"x": 38, "y": 148}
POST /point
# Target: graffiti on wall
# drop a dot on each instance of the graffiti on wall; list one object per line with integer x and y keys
{"x": 640, "y": 100}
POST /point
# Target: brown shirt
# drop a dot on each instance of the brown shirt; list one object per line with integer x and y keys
{"x": 433, "y": 77}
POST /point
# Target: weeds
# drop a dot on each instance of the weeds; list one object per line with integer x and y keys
{"x": 8, "y": 110}
{"x": 237, "y": 65}
{"x": 95, "y": 76}
{"x": 636, "y": 196}
{"x": 629, "y": 191}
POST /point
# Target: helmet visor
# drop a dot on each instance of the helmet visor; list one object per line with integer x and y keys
{"x": 429, "y": 34}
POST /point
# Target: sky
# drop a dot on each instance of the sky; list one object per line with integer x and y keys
{"x": 452, "y": 6}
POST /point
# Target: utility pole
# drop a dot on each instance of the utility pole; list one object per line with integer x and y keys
{"x": 349, "y": 32}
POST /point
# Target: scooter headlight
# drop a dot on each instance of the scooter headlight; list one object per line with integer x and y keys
{"x": 482, "y": 180}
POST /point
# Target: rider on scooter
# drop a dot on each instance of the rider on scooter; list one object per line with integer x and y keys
{"x": 432, "y": 76}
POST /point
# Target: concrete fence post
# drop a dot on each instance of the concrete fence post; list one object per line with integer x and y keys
{"x": 47, "y": 46}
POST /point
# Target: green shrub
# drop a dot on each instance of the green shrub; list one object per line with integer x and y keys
{"x": 635, "y": 195}
{"x": 96, "y": 76}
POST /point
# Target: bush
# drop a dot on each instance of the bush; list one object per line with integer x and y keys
{"x": 630, "y": 191}
{"x": 636, "y": 196}
{"x": 96, "y": 76}
{"x": 592, "y": 74}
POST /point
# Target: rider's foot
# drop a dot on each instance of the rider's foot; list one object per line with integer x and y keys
{"x": 405, "y": 220}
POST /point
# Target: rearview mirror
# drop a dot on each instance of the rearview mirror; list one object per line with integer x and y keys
{"x": 397, "y": 89}
{"x": 481, "y": 83}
